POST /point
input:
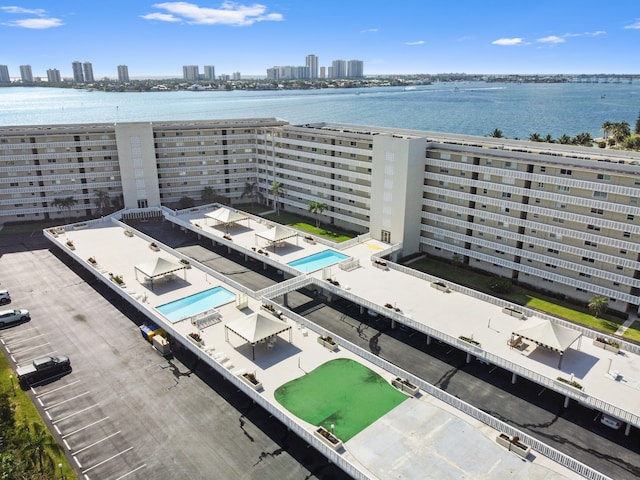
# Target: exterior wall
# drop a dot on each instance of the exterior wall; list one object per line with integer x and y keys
{"x": 396, "y": 190}
{"x": 138, "y": 165}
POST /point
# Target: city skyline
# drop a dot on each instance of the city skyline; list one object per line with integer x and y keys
{"x": 157, "y": 39}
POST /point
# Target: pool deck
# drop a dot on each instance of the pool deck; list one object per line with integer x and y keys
{"x": 396, "y": 444}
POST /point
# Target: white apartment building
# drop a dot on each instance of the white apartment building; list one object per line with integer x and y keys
{"x": 87, "y": 68}
{"x": 557, "y": 217}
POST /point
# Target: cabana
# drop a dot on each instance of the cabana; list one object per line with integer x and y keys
{"x": 256, "y": 328}
{"x": 226, "y": 216}
{"x": 549, "y": 335}
{"x": 276, "y": 235}
{"x": 158, "y": 268}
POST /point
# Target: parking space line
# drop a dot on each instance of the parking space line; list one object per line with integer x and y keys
{"x": 66, "y": 445}
{"x": 77, "y": 461}
{"x": 17, "y": 334}
{"x": 65, "y": 401}
{"x": 73, "y": 414}
{"x": 28, "y": 349}
{"x": 108, "y": 459}
{"x": 38, "y": 395}
{"x": 82, "y": 428}
{"x": 26, "y": 339}
{"x": 96, "y": 443}
{"x": 132, "y": 471}
{"x": 57, "y": 430}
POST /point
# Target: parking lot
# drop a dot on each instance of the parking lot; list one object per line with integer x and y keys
{"x": 125, "y": 411}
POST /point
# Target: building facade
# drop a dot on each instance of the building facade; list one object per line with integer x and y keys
{"x": 338, "y": 69}
{"x": 4, "y": 74}
{"x": 209, "y": 72}
{"x": 191, "y": 73}
{"x": 78, "y": 76}
{"x": 87, "y": 69}
{"x": 557, "y": 217}
{"x": 123, "y": 73}
{"x": 53, "y": 75}
{"x": 355, "y": 69}
{"x": 26, "y": 74}
{"x": 311, "y": 62}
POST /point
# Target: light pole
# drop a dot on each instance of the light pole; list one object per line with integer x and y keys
{"x": 60, "y": 467}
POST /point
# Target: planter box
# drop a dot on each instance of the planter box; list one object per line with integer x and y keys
{"x": 256, "y": 386}
{"x": 310, "y": 241}
{"x": 71, "y": 247}
{"x": 513, "y": 312}
{"x": 155, "y": 248}
{"x": 405, "y": 386}
{"x": 381, "y": 266}
{"x": 328, "y": 438}
{"x": 519, "y": 448}
{"x": 333, "y": 346}
{"x": 606, "y": 346}
{"x": 441, "y": 286}
{"x": 128, "y": 233}
{"x": 199, "y": 343}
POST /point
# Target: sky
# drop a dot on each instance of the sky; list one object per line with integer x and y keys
{"x": 155, "y": 39}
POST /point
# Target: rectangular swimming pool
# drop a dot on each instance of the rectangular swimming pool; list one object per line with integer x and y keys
{"x": 318, "y": 260}
{"x": 196, "y": 303}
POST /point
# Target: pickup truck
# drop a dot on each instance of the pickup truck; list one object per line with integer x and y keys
{"x": 44, "y": 368}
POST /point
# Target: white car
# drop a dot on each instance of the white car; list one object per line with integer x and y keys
{"x": 13, "y": 316}
{"x": 611, "y": 422}
{"x": 4, "y": 297}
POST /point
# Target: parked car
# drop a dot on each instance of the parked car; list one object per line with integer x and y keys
{"x": 13, "y": 316}
{"x": 610, "y": 422}
{"x": 4, "y": 297}
{"x": 43, "y": 368}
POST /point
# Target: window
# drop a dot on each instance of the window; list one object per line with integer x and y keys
{"x": 630, "y": 217}
{"x": 557, "y": 220}
{"x": 543, "y": 169}
{"x": 604, "y": 177}
{"x": 564, "y": 171}
{"x": 593, "y": 227}
{"x": 597, "y": 211}
{"x": 597, "y": 194}
{"x": 589, "y": 243}
{"x": 552, "y": 250}
{"x": 626, "y": 234}
{"x": 588, "y": 260}
{"x": 563, "y": 188}
{"x": 506, "y": 195}
{"x": 540, "y": 184}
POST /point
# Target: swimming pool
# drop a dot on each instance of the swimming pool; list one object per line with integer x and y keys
{"x": 317, "y": 261}
{"x": 194, "y": 304}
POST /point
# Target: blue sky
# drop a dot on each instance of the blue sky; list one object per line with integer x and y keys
{"x": 403, "y": 37}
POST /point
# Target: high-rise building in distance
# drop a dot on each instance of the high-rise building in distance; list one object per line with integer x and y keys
{"x": 123, "y": 73}
{"x": 338, "y": 69}
{"x": 26, "y": 74}
{"x": 209, "y": 72}
{"x": 312, "y": 66}
{"x": 191, "y": 72}
{"x": 236, "y": 76}
{"x": 53, "y": 75}
{"x": 88, "y": 72}
{"x": 78, "y": 76}
{"x": 355, "y": 69}
{"x": 4, "y": 74}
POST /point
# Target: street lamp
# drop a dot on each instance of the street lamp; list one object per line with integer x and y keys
{"x": 60, "y": 467}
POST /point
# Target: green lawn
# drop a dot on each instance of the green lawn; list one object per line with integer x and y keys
{"x": 308, "y": 225}
{"x": 25, "y": 410}
{"x": 633, "y": 332}
{"x": 341, "y": 392}
{"x": 519, "y": 295}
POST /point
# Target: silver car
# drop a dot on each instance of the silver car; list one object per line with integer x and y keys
{"x": 13, "y": 316}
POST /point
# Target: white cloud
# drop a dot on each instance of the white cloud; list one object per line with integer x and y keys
{"x": 507, "y": 41}
{"x": 551, "y": 39}
{"x": 229, "y": 13}
{"x": 23, "y": 11}
{"x": 634, "y": 26}
{"x": 163, "y": 17}
{"x": 36, "y": 23}
{"x": 419, "y": 42}
{"x": 369, "y": 30}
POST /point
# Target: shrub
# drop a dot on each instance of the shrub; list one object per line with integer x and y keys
{"x": 500, "y": 285}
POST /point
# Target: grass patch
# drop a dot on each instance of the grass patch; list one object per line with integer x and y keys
{"x": 31, "y": 227}
{"x": 633, "y": 332}
{"x": 340, "y": 392}
{"x": 306, "y": 224}
{"x": 26, "y": 410}
{"x": 519, "y": 295}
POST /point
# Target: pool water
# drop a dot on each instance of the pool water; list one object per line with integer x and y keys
{"x": 194, "y": 304}
{"x": 318, "y": 260}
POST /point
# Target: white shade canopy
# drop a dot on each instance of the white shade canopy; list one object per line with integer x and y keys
{"x": 548, "y": 335}
{"x": 226, "y": 216}
{"x": 256, "y": 327}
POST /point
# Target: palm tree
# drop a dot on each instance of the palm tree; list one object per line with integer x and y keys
{"x": 636, "y": 130}
{"x": 276, "y": 190}
{"x": 64, "y": 204}
{"x": 208, "y": 195}
{"x": 548, "y": 138}
{"x": 598, "y": 305}
{"x": 497, "y": 133}
{"x": 250, "y": 190}
{"x": 38, "y": 447}
{"x": 564, "y": 139}
{"x": 620, "y": 131}
{"x": 535, "y": 137}
{"x": 317, "y": 207}
{"x": 584, "y": 139}
{"x": 102, "y": 200}
{"x": 606, "y": 128}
